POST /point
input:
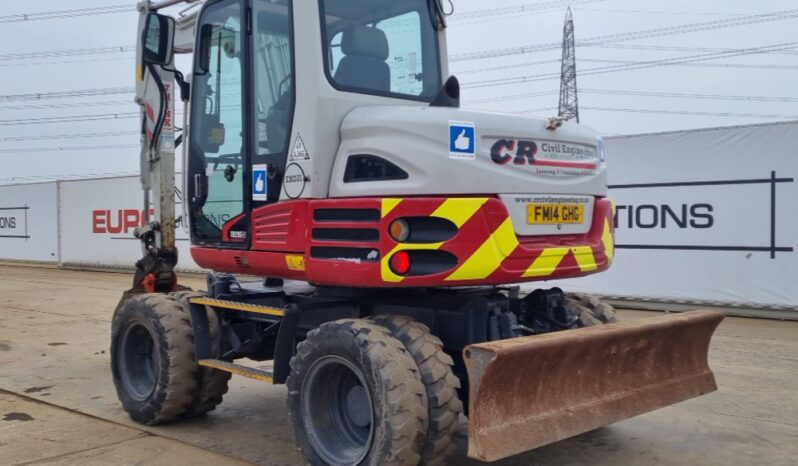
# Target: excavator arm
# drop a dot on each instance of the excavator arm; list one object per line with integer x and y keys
{"x": 157, "y": 83}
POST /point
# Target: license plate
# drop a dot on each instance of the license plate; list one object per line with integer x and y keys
{"x": 555, "y": 214}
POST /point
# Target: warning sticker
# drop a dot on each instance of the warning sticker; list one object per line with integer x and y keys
{"x": 299, "y": 153}
{"x": 295, "y": 263}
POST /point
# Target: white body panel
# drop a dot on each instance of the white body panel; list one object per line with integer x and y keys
{"x": 418, "y": 141}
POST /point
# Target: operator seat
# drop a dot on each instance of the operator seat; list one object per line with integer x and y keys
{"x": 364, "y": 64}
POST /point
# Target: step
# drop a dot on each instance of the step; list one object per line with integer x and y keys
{"x": 257, "y": 374}
{"x": 237, "y": 306}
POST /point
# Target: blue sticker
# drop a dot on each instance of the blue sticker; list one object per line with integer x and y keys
{"x": 462, "y": 140}
{"x": 259, "y": 183}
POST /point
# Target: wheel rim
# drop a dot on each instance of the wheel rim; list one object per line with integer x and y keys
{"x": 337, "y": 411}
{"x": 139, "y": 366}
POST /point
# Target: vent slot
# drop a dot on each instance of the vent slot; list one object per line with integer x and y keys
{"x": 346, "y": 215}
{"x": 346, "y": 234}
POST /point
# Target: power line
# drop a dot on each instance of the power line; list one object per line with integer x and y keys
{"x": 56, "y": 137}
{"x": 62, "y": 14}
{"x": 66, "y": 62}
{"x": 627, "y": 62}
{"x": 508, "y": 67}
{"x": 663, "y": 12}
{"x": 684, "y": 112}
{"x": 67, "y": 94}
{"x": 68, "y": 149}
{"x": 72, "y": 105}
{"x": 617, "y": 68}
{"x": 636, "y": 35}
{"x": 665, "y": 48}
{"x": 69, "y": 119}
{"x": 702, "y": 65}
{"x": 680, "y": 112}
{"x": 479, "y": 16}
{"x": 64, "y": 177}
{"x": 676, "y": 95}
{"x": 669, "y": 95}
{"x": 513, "y": 97}
{"x": 68, "y": 52}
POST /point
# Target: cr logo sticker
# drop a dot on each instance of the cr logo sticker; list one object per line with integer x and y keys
{"x": 462, "y": 140}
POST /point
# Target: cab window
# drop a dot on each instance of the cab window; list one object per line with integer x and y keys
{"x": 382, "y": 47}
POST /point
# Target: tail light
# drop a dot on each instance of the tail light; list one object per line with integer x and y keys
{"x": 400, "y": 263}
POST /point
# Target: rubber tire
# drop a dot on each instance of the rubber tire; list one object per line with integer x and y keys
{"x": 440, "y": 383}
{"x": 397, "y": 393}
{"x": 173, "y": 346}
{"x": 592, "y": 310}
{"x": 212, "y": 384}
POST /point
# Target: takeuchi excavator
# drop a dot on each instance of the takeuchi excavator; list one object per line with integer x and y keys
{"x": 365, "y": 239}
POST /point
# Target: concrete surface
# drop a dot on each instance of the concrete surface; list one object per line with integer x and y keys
{"x": 32, "y": 432}
{"x": 54, "y": 339}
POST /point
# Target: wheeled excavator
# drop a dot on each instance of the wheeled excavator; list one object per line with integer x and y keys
{"x": 365, "y": 239}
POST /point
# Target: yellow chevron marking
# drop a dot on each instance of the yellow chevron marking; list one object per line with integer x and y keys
{"x": 609, "y": 244}
{"x": 584, "y": 257}
{"x": 388, "y": 205}
{"x": 235, "y": 306}
{"x": 489, "y": 256}
{"x": 459, "y": 210}
{"x": 255, "y": 374}
{"x": 546, "y": 263}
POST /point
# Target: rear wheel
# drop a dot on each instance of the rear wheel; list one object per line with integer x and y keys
{"x": 152, "y": 358}
{"x": 440, "y": 383}
{"x": 355, "y": 397}
{"x": 591, "y": 310}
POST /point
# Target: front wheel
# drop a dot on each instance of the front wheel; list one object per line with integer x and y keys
{"x": 152, "y": 358}
{"x": 355, "y": 397}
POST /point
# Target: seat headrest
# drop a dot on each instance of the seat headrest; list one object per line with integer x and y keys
{"x": 362, "y": 41}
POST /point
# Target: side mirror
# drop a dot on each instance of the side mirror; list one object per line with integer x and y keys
{"x": 158, "y": 39}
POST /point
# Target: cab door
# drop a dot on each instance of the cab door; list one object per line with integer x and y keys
{"x": 218, "y": 168}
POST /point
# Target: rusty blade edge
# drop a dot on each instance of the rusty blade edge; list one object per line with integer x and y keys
{"x": 491, "y": 438}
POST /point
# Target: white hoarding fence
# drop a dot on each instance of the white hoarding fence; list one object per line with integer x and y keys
{"x": 706, "y": 215}
{"x": 97, "y": 222}
{"x": 28, "y": 219}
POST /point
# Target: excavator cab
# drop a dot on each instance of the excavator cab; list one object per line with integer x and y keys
{"x": 246, "y": 77}
{"x": 324, "y": 151}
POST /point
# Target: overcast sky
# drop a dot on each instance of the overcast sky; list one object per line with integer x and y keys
{"x": 728, "y": 90}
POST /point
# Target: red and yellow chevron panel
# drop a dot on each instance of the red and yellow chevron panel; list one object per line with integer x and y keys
{"x": 486, "y": 247}
{"x": 489, "y": 252}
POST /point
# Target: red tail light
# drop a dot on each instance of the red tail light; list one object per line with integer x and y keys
{"x": 400, "y": 263}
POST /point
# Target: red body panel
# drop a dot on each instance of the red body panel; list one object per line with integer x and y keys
{"x": 487, "y": 250}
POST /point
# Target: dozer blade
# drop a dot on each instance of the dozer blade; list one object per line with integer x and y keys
{"x": 531, "y": 391}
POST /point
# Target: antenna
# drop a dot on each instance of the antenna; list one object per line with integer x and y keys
{"x": 569, "y": 100}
